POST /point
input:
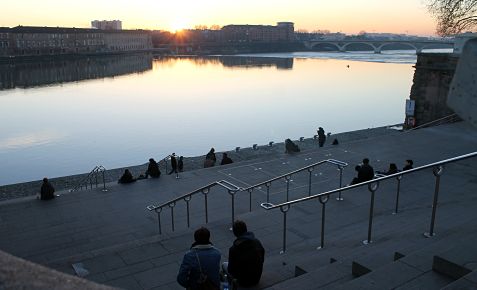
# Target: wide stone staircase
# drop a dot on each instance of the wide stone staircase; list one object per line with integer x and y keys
{"x": 112, "y": 239}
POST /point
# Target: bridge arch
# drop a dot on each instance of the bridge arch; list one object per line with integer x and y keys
{"x": 380, "y": 48}
{"x": 345, "y": 47}
{"x": 325, "y": 44}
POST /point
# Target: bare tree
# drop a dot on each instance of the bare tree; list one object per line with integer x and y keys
{"x": 454, "y": 16}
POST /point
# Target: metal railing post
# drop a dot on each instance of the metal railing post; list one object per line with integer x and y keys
{"x": 250, "y": 199}
{"x": 398, "y": 178}
{"x": 323, "y": 202}
{"x": 341, "y": 182}
{"x": 371, "y": 187}
{"x": 437, "y": 171}
{"x": 287, "y": 180}
{"x": 172, "y": 205}
{"x": 232, "y": 195}
{"x": 205, "y": 192}
{"x": 187, "y": 200}
{"x": 310, "y": 170}
{"x": 284, "y": 210}
{"x": 104, "y": 182}
{"x": 158, "y": 211}
{"x": 268, "y": 184}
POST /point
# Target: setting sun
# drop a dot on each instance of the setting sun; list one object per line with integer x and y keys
{"x": 178, "y": 24}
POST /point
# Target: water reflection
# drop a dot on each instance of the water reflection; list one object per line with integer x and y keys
{"x": 49, "y": 72}
{"x": 235, "y": 61}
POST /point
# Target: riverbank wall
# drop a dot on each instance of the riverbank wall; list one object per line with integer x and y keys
{"x": 262, "y": 151}
{"x": 432, "y": 79}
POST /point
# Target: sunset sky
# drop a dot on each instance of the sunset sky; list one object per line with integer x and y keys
{"x": 348, "y": 16}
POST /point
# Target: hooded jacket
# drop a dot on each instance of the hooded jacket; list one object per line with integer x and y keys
{"x": 246, "y": 257}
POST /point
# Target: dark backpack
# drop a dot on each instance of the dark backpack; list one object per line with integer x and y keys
{"x": 204, "y": 283}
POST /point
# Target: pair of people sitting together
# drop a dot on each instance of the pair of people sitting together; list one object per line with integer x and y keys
{"x": 200, "y": 268}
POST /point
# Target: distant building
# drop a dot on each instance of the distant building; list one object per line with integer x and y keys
{"x": 107, "y": 24}
{"x": 282, "y": 32}
{"x": 5, "y": 41}
{"x": 31, "y": 41}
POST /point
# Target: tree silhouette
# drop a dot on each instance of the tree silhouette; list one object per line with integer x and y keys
{"x": 454, "y": 16}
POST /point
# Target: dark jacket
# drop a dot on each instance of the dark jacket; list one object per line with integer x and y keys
{"x": 180, "y": 165}
{"x": 407, "y": 167}
{"x": 291, "y": 147}
{"x": 246, "y": 257}
{"x": 173, "y": 162}
{"x": 211, "y": 156}
{"x": 153, "y": 169}
{"x": 189, "y": 271}
{"x": 365, "y": 173}
{"x": 226, "y": 160}
{"x": 321, "y": 136}
{"x": 47, "y": 191}
{"x": 126, "y": 178}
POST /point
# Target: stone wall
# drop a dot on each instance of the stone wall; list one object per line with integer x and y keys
{"x": 432, "y": 79}
{"x": 463, "y": 95}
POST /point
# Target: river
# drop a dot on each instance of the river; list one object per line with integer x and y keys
{"x": 66, "y": 116}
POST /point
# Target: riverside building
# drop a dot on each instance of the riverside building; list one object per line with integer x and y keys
{"x": 282, "y": 32}
{"x": 107, "y": 24}
{"x": 38, "y": 41}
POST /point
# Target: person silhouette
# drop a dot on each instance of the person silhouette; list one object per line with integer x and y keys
{"x": 174, "y": 165}
{"x": 153, "y": 169}
{"x": 47, "y": 190}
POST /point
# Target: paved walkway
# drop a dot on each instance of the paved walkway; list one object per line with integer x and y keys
{"x": 116, "y": 239}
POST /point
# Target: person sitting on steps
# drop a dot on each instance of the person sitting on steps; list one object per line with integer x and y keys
{"x": 153, "y": 169}
{"x": 126, "y": 177}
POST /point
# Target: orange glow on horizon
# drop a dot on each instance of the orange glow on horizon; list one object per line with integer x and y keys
{"x": 347, "y": 16}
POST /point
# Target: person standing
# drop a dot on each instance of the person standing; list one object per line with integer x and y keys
{"x": 47, "y": 190}
{"x": 202, "y": 258}
{"x": 246, "y": 257}
{"x": 321, "y": 136}
{"x": 180, "y": 164}
{"x": 174, "y": 165}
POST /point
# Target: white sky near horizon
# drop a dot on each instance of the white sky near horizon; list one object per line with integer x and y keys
{"x": 348, "y": 16}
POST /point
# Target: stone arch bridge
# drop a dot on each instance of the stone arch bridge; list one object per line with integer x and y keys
{"x": 377, "y": 46}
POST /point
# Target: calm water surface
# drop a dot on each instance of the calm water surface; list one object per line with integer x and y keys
{"x": 65, "y": 117}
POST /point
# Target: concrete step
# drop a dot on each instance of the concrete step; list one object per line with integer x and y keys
{"x": 415, "y": 270}
{"x": 467, "y": 282}
{"x": 319, "y": 278}
{"x": 456, "y": 262}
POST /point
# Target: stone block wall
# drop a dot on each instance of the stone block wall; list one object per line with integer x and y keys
{"x": 432, "y": 79}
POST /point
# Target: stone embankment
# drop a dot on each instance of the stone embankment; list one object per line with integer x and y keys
{"x": 65, "y": 183}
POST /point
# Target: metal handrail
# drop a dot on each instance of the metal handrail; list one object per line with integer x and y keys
{"x": 92, "y": 178}
{"x": 287, "y": 176}
{"x": 373, "y": 186}
{"x": 447, "y": 118}
{"x": 165, "y": 159}
{"x": 233, "y": 189}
